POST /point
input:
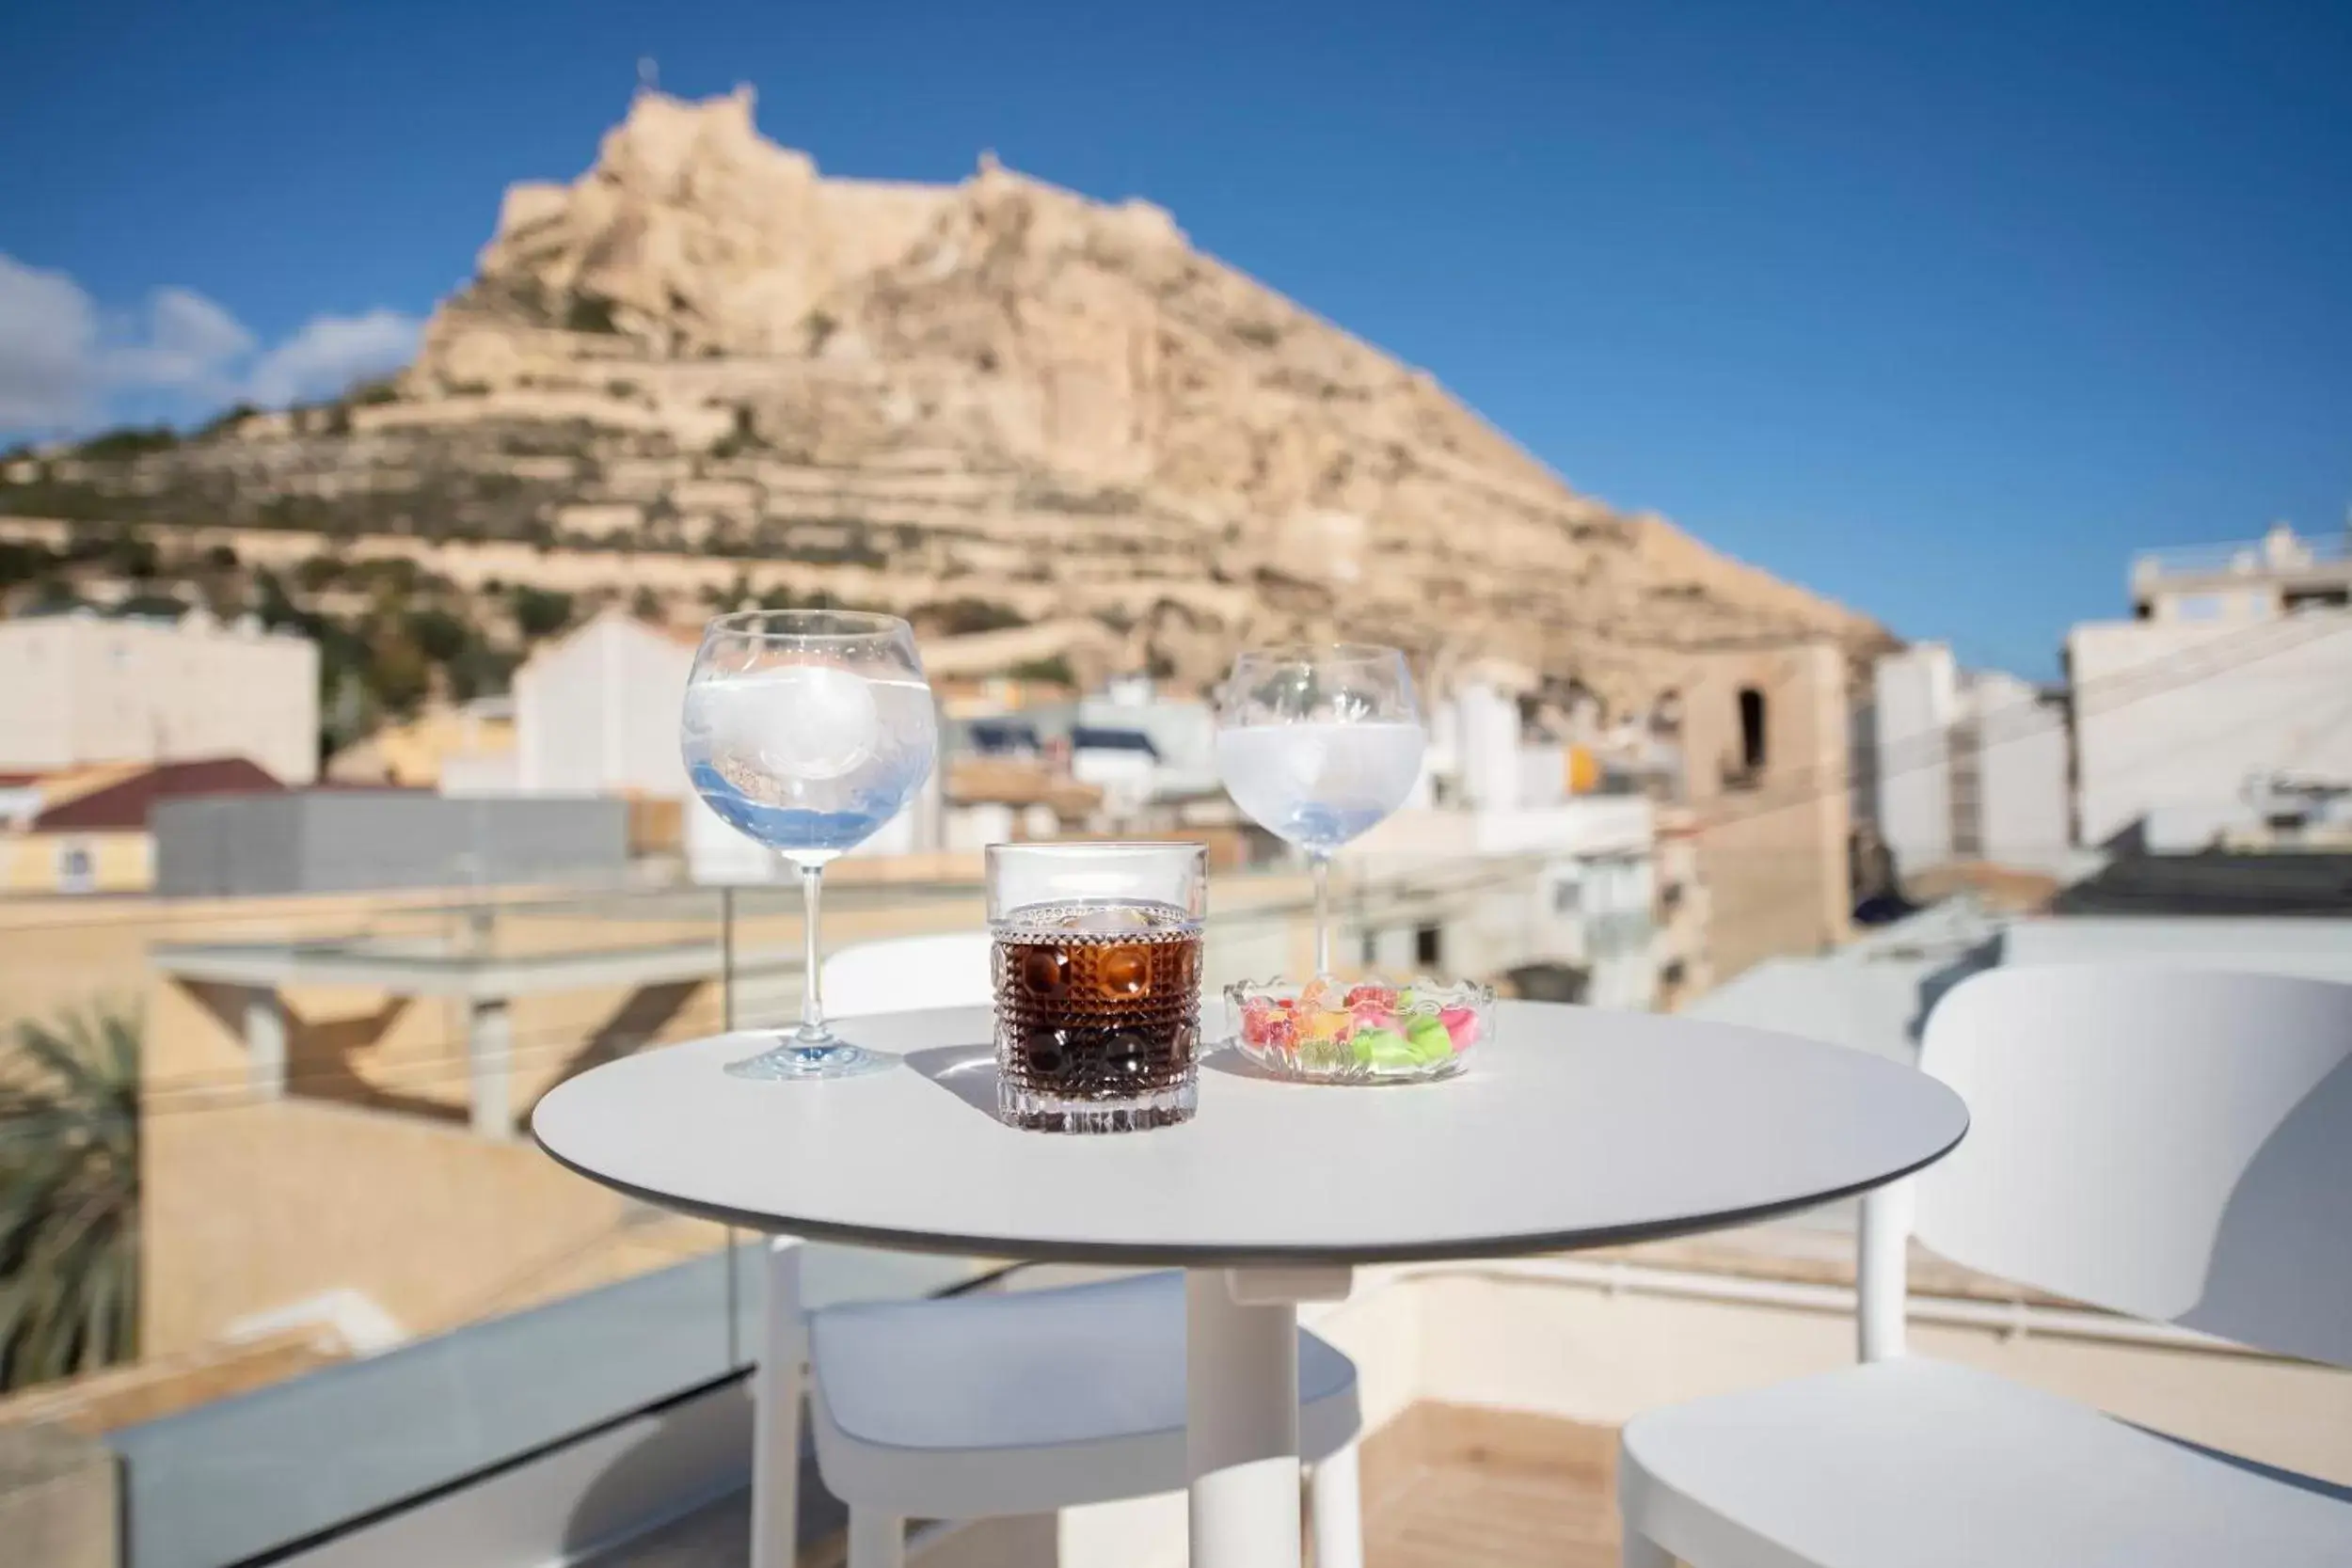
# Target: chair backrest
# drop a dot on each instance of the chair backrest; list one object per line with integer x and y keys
{"x": 2169, "y": 1143}
{"x": 904, "y": 973}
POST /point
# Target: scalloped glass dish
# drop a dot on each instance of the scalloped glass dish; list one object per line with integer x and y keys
{"x": 1369, "y": 1032}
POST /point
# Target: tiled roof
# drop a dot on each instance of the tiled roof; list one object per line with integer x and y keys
{"x": 124, "y": 805}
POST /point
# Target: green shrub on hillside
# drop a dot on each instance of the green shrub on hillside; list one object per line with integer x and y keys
{"x": 129, "y": 441}
{"x": 540, "y": 613}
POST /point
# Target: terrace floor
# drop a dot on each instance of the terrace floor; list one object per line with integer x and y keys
{"x": 1444, "y": 1485}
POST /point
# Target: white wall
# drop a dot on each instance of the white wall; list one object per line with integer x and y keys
{"x": 2179, "y": 715}
{"x": 36, "y": 693}
{"x": 78, "y": 689}
{"x": 977, "y": 826}
{"x": 1183, "y": 732}
{"x": 1125, "y": 778}
{"x": 1617, "y": 899}
{"x": 1543, "y": 775}
{"x": 1927, "y": 709}
{"x": 2023, "y": 798}
{"x": 1489, "y": 723}
{"x": 1586, "y": 824}
{"x": 1442, "y": 757}
{"x": 597, "y": 713}
{"x": 1916, "y": 692}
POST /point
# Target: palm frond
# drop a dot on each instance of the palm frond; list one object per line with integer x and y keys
{"x": 68, "y": 1194}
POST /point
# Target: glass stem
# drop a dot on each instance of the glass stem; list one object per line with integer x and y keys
{"x": 1321, "y": 865}
{"x": 813, "y": 1032}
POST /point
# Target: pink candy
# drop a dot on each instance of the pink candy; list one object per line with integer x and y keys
{"x": 1267, "y": 1023}
{"x": 1461, "y": 1026}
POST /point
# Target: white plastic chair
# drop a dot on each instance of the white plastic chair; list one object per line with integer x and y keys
{"x": 903, "y": 974}
{"x": 2173, "y": 1145}
{"x": 1019, "y": 1402}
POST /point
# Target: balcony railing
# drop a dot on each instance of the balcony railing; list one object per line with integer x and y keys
{"x": 2252, "y": 558}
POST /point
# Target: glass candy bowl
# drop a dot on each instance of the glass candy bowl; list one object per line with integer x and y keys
{"x": 1327, "y": 1032}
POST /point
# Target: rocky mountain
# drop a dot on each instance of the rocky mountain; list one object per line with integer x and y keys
{"x": 997, "y": 391}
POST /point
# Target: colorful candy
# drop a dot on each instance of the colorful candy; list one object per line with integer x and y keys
{"x": 1431, "y": 1040}
{"x": 1382, "y": 1048}
{"x": 1364, "y": 1028}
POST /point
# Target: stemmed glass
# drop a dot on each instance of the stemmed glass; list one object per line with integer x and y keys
{"x": 1318, "y": 744}
{"x": 806, "y": 730}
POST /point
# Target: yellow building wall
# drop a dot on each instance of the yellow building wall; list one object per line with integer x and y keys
{"x": 119, "y": 862}
{"x": 1773, "y": 849}
{"x": 411, "y": 755}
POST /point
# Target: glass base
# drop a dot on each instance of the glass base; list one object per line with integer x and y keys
{"x": 1035, "y": 1112}
{"x": 792, "y": 1062}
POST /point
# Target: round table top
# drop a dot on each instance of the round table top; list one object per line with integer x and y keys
{"x": 1573, "y": 1127}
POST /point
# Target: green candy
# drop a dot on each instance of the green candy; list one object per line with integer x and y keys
{"x": 1383, "y": 1048}
{"x": 1428, "y": 1040}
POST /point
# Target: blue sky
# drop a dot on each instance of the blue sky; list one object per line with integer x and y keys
{"x": 1941, "y": 310}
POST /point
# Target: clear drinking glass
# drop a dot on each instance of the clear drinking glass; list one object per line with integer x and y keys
{"x": 1097, "y": 965}
{"x": 806, "y": 730}
{"x": 1318, "y": 744}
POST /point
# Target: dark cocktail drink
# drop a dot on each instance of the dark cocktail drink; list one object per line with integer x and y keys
{"x": 1097, "y": 999}
{"x": 1099, "y": 1006}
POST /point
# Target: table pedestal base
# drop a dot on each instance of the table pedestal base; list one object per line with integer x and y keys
{"x": 1241, "y": 1389}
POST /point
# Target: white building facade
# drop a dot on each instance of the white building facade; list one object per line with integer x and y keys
{"x": 597, "y": 712}
{"x": 1970, "y": 765}
{"x": 1183, "y": 732}
{"x": 80, "y": 688}
{"x": 2237, "y": 676}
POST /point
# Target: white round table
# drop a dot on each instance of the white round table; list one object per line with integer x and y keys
{"x": 1573, "y": 1127}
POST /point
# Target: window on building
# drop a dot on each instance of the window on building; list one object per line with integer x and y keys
{"x": 1751, "y": 730}
{"x": 1428, "y": 946}
{"x": 1745, "y": 767}
{"x": 1368, "y": 947}
{"x": 77, "y": 872}
{"x": 1567, "y": 898}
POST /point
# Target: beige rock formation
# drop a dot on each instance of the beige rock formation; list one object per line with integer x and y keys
{"x": 995, "y": 385}
{"x": 1157, "y": 395}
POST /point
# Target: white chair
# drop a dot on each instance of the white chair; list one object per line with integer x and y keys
{"x": 2171, "y": 1144}
{"x": 903, "y": 974}
{"x": 1019, "y": 1402}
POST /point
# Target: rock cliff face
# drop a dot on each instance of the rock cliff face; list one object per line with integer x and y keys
{"x": 704, "y": 345}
